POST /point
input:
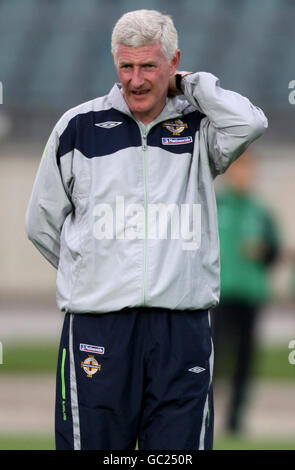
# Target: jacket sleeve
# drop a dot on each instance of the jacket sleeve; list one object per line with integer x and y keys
{"x": 231, "y": 122}
{"x": 50, "y": 203}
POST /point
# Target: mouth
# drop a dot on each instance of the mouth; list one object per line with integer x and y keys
{"x": 139, "y": 92}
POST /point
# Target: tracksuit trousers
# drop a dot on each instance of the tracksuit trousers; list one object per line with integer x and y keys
{"x": 140, "y": 375}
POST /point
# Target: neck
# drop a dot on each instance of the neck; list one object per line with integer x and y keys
{"x": 148, "y": 117}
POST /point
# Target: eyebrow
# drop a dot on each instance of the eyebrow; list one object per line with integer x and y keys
{"x": 147, "y": 62}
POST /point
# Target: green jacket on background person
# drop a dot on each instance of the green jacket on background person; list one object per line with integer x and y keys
{"x": 248, "y": 246}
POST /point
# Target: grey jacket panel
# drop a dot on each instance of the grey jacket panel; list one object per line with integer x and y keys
{"x": 49, "y": 204}
{"x": 97, "y": 161}
{"x": 232, "y": 121}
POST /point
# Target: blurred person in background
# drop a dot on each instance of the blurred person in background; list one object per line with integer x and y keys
{"x": 136, "y": 353}
{"x": 248, "y": 248}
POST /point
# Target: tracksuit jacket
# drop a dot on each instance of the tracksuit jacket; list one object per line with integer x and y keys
{"x": 102, "y": 172}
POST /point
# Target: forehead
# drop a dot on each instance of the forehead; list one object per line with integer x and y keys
{"x": 137, "y": 55}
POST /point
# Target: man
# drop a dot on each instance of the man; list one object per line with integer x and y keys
{"x": 124, "y": 207}
{"x": 249, "y": 246}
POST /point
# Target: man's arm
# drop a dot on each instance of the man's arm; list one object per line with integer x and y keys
{"x": 233, "y": 122}
{"x": 49, "y": 204}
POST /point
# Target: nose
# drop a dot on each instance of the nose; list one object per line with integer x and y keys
{"x": 137, "y": 79}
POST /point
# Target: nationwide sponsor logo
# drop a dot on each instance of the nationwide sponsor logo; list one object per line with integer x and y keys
{"x": 91, "y": 348}
{"x": 196, "y": 369}
{"x": 176, "y": 140}
{"x": 90, "y": 366}
{"x": 108, "y": 124}
{"x": 175, "y": 126}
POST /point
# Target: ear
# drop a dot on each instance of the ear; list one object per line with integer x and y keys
{"x": 175, "y": 62}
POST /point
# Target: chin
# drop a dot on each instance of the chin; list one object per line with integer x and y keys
{"x": 140, "y": 109}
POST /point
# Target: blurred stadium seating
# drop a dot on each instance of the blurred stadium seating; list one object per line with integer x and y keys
{"x": 56, "y": 54}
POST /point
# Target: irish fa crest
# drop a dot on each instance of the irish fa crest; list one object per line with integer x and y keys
{"x": 175, "y": 126}
{"x": 90, "y": 366}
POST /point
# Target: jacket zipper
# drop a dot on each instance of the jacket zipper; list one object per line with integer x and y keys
{"x": 146, "y": 198}
{"x": 146, "y": 201}
{"x": 144, "y": 149}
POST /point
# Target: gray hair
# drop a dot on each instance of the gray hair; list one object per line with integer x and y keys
{"x": 141, "y": 27}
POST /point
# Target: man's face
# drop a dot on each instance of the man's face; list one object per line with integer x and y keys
{"x": 241, "y": 174}
{"x": 144, "y": 73}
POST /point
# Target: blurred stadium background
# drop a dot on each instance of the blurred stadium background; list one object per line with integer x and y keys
{"x": 55, "y": 54}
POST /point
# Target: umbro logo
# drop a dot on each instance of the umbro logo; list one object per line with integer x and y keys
{"x": 108, "y": 124}
{"x": 196, "y": 369}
